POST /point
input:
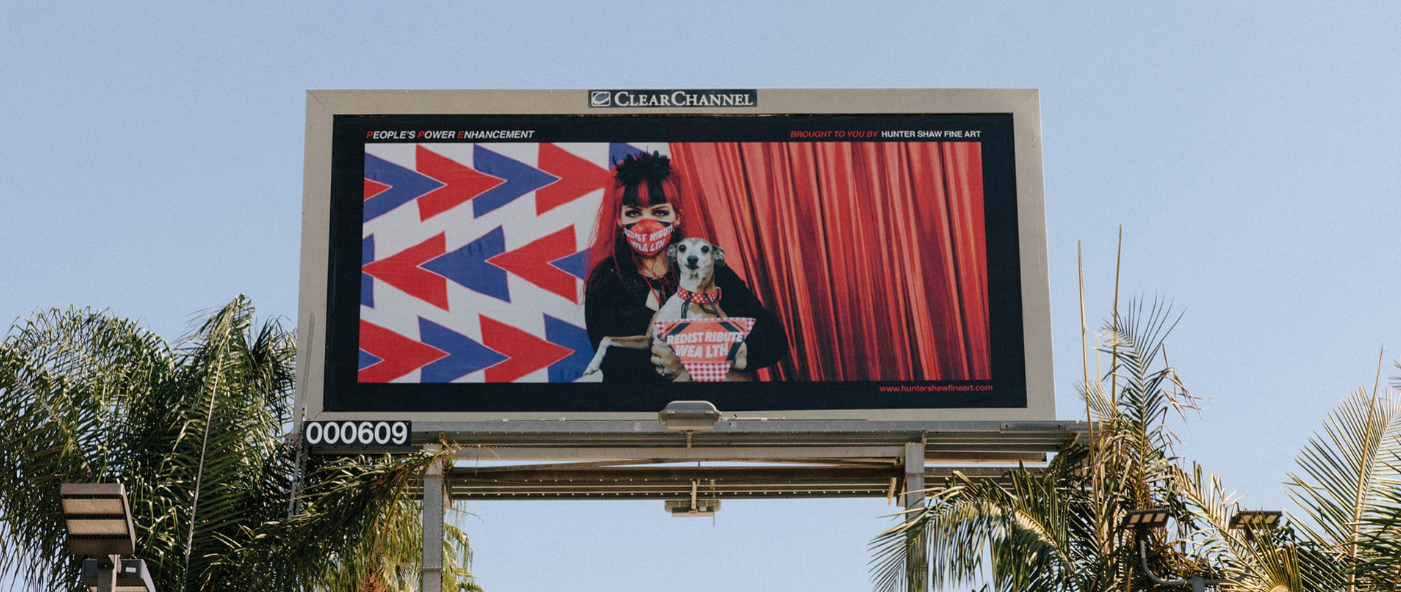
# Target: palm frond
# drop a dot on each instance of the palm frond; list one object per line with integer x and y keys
{"x": 1349, "y": 472}
{"x": 360, "y": 521}
{"x": 1146, "y": 386}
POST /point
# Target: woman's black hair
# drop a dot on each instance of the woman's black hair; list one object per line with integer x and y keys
{"x": 650, "y": 169}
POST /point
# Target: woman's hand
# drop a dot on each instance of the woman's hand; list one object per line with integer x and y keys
{"x": 665, "y": 360}
{"x": 741, "y": 358}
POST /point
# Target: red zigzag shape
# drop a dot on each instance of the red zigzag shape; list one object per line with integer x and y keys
{"x": 577, "y": 177}
{"x": 526, "y": 353}
{"x": 402, "y": 271}
{"x": 461, "y": 184}
{"x": 532, "y": 263}
{"x": 398, "y": 355}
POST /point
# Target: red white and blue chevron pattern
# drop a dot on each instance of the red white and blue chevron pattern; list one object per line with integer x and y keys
{"x": 474, "y": 257}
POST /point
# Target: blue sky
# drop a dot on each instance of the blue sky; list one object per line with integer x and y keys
{"x": 152, "y": 164}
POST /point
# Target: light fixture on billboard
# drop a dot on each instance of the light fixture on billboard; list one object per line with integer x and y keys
{"x": 689, "y": 415}
{"x": 692, "y": 508}
{"x": 97, "y": 517}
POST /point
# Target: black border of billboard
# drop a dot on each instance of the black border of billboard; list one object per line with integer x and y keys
{"x": 342, "y": 392}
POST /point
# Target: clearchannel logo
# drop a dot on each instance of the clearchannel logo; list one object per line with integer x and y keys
{"x": 607, "y": 99}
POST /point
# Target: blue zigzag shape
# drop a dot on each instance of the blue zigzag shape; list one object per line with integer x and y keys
{"x": 520, "y": 180}
{"x": 405, "y": 185}
{"x": 467, "y": 266}
{"x": 568, "y": 335}
{"x": 576, "y": 265}
{"x": 465, "y": 356}
{"x": 367, "y": 283}
{"x": 367, "y": 360}
{"x": 617, "y": 151}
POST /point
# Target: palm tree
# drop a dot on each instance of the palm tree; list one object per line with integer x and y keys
{"x": 1345, "y": 535}
{"x": 198, "y": 433}
{"x": 1058, "y": 529}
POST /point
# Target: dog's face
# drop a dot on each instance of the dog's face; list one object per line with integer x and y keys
{"x": 696, "y": 257}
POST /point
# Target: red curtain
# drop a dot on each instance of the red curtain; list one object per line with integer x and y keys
{"x": 872, "y": 254}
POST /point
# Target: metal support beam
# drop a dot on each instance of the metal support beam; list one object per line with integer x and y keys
{"x": 671, "y": 482}
{"x": 107, "y": 573}
{"x": 433, "y": 505}
{"x": 882, "y": 478}
{"x": 917, "y": 566}
{"x": 914, "y": 475}
{"x": 657, "y": 454}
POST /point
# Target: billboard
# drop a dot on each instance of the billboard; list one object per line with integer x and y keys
{"x": 597, "y": 254}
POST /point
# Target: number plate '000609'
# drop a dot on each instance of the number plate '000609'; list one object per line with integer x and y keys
{"x": 356, "y": 433}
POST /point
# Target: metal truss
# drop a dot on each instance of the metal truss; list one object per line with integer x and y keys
{"x": 738, "y": 459}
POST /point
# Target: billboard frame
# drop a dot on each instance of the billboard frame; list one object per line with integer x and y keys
{"x": 323, "y": 106}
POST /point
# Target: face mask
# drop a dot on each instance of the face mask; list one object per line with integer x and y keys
{"x": 648, "y": 237}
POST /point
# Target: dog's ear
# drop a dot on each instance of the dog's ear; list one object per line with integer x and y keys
{"x": 671, "y": 254}
{"x": 719, "y": 256}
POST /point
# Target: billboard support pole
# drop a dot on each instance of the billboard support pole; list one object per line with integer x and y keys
{"x": 432, "y": 572}
{"x": 916, "y": 566}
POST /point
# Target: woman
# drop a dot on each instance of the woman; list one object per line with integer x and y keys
{"x": 630, "y": 279}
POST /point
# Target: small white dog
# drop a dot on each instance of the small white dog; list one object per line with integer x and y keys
{"x": 696, "y": 298}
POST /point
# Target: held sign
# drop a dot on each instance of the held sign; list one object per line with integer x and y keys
{"x": 356, "y": 433}
{"x": 706, "y": 347}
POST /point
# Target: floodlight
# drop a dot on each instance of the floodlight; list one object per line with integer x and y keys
{"x": 1141, "y": 521}
{"x": 1248, "y": 519}
{"x": 687, "y": 508}
{"x": 1144, "y": 519}
{"x": 98, "y": 519}
{"x": 131, "y": 577}
{"x": 689, "y": 415}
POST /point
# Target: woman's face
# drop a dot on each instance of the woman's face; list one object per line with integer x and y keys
{"x": 660, "y": 212}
